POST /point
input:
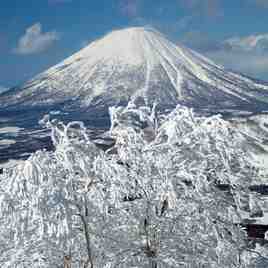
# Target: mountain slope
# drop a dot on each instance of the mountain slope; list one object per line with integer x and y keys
{"x": 139, "y": 62}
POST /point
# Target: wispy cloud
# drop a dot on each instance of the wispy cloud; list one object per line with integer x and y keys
{"x": 248, "y": 63}
{"x": 35, "y": 41}
{"x": 129, "y": 8}
{"x": 247, "y": 54}
{"x": 257, "y": 43}
{"x": 253, "y": 43}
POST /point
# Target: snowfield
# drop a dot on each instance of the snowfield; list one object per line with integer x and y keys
{"x": 8, "y": 130}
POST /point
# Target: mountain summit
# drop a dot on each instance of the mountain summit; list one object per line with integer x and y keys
{"x": 139, "y": 63}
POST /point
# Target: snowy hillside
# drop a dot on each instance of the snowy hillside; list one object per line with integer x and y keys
{"x": 139, "y": 62}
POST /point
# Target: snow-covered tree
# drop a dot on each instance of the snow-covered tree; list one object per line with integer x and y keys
{"x": 46, "y": 203}
{"x": 170, "y": 193}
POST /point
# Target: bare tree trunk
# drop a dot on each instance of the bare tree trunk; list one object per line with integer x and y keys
{"x": 87, "y": 237}
{"x": 89, "y": 252}
{"x": 153, "y": 263}
{"x": 149, "y": 249}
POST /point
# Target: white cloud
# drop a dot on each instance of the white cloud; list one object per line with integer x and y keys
{"x": 249, "y": 43}
{"x": 248, "y": 63}
{"x": 35, "y": 41}
{"x": 248, "y": 55}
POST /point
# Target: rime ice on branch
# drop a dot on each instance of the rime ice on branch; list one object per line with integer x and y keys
{"x": 154, "y": 200}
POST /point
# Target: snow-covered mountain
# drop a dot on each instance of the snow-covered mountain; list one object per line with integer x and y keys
{"x": 139, "y": 62}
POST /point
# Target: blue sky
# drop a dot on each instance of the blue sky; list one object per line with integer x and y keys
{"x": 36, "y": 34}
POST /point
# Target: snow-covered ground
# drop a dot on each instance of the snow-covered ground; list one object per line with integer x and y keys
{"x": 6, "y": 142}
{"x": 10, "y": 164}
{"x": 9, "y": 129}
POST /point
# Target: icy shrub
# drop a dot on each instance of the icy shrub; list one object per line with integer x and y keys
{"x": 154, "y": 200}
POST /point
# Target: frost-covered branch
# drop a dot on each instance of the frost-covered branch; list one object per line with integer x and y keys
{"x": 154, "y": 200}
